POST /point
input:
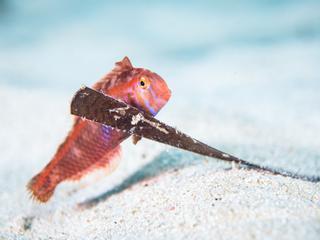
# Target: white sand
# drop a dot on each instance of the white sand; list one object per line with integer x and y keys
{"x": 174, "y": 194}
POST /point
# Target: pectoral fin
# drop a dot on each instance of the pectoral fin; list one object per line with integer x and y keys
{"x": 135, "y": 139}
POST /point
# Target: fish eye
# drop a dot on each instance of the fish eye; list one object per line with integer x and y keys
{"x": 144, "y": 82}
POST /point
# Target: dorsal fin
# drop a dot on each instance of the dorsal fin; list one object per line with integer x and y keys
{"x": 112, "y": 78}
{"x": 125, "y": 63}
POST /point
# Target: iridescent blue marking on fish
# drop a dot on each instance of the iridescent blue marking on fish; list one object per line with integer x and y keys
{"x": 106, "y": 132}
{"x": 152, "y": 111}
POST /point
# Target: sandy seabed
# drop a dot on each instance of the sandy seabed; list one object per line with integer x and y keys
{"x": 157, "y": 192}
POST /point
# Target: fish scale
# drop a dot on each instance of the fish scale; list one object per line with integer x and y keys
{"x": 90, "y": 145}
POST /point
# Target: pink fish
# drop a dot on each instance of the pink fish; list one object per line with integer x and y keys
{"x": 90, "y": 145}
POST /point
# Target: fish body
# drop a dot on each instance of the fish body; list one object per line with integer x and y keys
{"x": 90, "y": 145}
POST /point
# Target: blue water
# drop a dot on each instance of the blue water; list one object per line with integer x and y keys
{"x": 61, "y": 44}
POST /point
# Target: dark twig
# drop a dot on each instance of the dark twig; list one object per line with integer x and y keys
{"x": 96, "y": 106}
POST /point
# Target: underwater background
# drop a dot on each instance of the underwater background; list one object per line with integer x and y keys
{"x": 244, "y": 76}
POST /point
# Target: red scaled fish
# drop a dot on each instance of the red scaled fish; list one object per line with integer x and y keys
{"x": 90, "y": 145}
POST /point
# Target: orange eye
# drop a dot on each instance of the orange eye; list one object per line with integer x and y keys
{"x": 144, "y": 82}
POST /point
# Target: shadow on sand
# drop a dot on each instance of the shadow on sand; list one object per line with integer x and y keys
{"x": 165, "y": 161}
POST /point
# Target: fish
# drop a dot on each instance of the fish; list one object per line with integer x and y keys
{"x": 90, "y": 145}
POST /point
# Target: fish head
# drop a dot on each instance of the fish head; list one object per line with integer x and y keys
{"x": 138, "y": 87}
{"x": 149, "y": 92}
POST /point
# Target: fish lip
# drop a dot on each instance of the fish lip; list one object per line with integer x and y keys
{"x": 164, "y": 100}
{"x": 166, "y": 96}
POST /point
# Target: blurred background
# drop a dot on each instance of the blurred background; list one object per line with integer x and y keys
{"x": 244, "y": 74}
{"x": 61, "y": 44}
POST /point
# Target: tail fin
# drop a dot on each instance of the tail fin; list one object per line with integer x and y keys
{"x": 41, "y": 188}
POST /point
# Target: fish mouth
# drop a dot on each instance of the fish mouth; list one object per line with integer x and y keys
{"x": 166, "y": 96}
{"x": 163, "y": 99}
